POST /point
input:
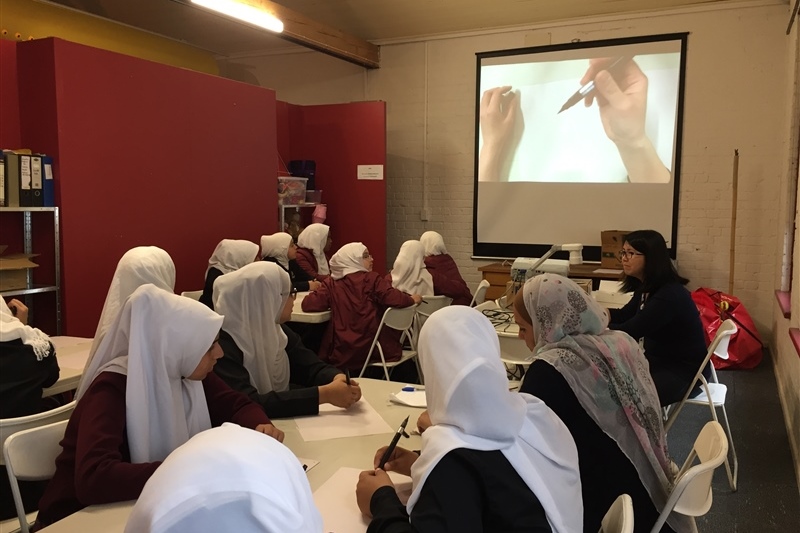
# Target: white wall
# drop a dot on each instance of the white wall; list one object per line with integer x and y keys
{"x": 736, "y": 97}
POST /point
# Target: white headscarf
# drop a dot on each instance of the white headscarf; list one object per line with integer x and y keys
{"x": 471, "y": 407}
{"x": 409, "y": 273}
{"x": 11, "y": 329}
{"x": 277, "y": 246}
{"x": 349, "y": 259}
{"x": 232, "y": 254}
{"x": 251, "y": 299}
{"x": 227, "y": 479}
{"x": 432, "y": 243}
{"x": 157, "y": 338}
{"x": 315, "y": 237}
{"x": 137, "y": 267}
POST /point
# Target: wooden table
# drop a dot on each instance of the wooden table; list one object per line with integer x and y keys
{"x": 356, "y": 452}
{"x": 72, "y": 353}
{"x": 499, "y": 274}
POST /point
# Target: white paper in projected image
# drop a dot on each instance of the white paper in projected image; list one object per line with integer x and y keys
{"x": 573, "y": 147}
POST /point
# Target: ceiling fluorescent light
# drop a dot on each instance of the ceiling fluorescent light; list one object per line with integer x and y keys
{"x": 244, "y": 12}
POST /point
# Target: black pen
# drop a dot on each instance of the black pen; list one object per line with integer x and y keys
{"x": 581, "y": 93}
{"x": 347, "y": 376}
{"x": 392, "y": 445}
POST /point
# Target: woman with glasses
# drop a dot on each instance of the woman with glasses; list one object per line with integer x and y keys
{"x": 447, "y": 280}
{"x": 661, "y": 314}
{"x": 263, "y": 358}
{"x": 357, "y": 298}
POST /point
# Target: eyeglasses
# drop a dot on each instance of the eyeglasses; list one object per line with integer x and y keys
{"x": 627, "y": 254}
{"x": 366, "y": 255}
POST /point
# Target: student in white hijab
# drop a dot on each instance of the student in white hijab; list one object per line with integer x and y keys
{"x": 137, "y": 267}
{"x": 357, "y": 298}
{"x": 281, "y": 249}
{"x": 409, "y": 273}
{"x": 493, "y": 461}
{"x": 262, "y": 357}
{"x": 311, "y": 246}
{"x": 227, "y": 479}
{"x": 447, "y": 279}
{"x": 27, "y": 366}
{"x": 27, "y": 363}
{"x": 229, "y": 255}
{"x": 148, "y": 390}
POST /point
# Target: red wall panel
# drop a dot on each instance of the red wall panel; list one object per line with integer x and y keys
{"x": 147, "y": 155}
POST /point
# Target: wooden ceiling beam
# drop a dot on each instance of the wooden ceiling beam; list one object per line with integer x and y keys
{"x": 302, "y": 30}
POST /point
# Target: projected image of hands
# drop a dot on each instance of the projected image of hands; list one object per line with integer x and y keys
{"x": 531, "y": 130}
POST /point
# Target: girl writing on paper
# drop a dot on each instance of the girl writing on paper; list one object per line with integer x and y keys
{"x": 213, "y": 483}
{"x": 148, "y": 390}
{"x": 262, "y": 357}
{"x": 447, "y": 279}
{"x": 661, "y": 313}
{"x": 229, "y": 256}
{"x": 357, "y": 298}
{"x": 493, "y": 461}
{"x": 312, "y": 243}
{"x": 409, "y": 273}
{"x": 596, "y": 380}
{"x": 280, "y": 249}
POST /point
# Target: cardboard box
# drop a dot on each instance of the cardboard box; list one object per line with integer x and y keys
{"x": 611, "y": 242}
{"x": 14, "y": 270}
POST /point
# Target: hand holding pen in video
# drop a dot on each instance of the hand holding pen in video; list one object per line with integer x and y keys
{"x": 620, "y": 90}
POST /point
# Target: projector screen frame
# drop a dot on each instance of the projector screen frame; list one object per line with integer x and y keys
{"x": 495, "y": 250}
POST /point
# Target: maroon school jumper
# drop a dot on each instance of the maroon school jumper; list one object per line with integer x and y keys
{"x": 447, "y": 279}
{"x": 94, "y": 466}
{"x": 357, "y": 303}
{"x": 305, "y": 259}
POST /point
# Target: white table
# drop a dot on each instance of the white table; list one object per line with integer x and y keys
{"x": 356, "y": 452}
{"x": 298, "y": 315}
{"x": 72, "y": 353}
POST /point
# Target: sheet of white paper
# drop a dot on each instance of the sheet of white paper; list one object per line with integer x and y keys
{"x": 308, "y": 463}
{"x": 411, "y": 398}
{"x": 336, "y": 500}
{"x": 334, "y": 422}
{"x": 608, "y": 271}
{"x": 607, "y": 285}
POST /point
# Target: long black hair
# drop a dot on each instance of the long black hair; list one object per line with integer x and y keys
{"x": 658, "y": 267}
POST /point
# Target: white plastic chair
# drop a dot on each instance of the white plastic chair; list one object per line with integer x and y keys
{"x": 429, "y": 305}
{"x": 30, "y": 455}
{"x": 691, "y": 494}
{"x": 480, "y": 293}
{"x": 9, "y": 426}
{"x": 194, "y": 295}
{"x": 619, "y": 518}
{"x": 401, "y": 319}
{"x": 712, "y": 395}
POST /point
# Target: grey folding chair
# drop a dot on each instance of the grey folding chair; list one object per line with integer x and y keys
{"x": 712, "y": 395}
{"x": 480, "y": 293}
{"x": 691, "y": 493}
{"x": 619, "y": 518}
{"x": 400, "y": 319}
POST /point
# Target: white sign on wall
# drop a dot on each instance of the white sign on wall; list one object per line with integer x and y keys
{"x": 370, "y": 172}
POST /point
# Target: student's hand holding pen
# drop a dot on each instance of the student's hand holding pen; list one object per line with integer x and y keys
{"x": 621, "y": 95}
{"x": 339, "y": 393}
{"x": 368, "y": 482}
{"x": 355, "y": 388}
{"x": 499, "y": 110}
{"x": 399, "y": 461}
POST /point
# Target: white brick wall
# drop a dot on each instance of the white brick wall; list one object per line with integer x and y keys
{"x": 736, "y": 97}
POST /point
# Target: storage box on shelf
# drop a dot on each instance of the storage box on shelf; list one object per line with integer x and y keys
{"x": 22, "y": 276}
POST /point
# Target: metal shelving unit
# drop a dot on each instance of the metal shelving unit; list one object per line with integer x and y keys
{"x": 27, "y": 234}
